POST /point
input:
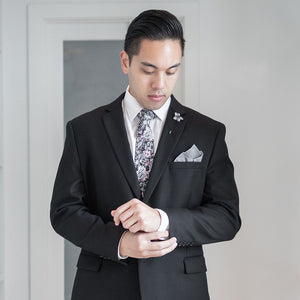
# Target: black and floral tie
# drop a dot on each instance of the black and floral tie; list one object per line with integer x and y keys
{"x": 144, "y": 148}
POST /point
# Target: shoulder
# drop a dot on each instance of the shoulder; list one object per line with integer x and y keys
{"x": 199, "y": 118}
{"x": 94, "y": 116}
{"x": 196, "y": 119}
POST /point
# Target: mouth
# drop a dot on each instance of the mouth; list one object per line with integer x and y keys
{"x": 156, "y": 97}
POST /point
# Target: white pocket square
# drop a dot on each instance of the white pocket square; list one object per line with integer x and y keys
{"x": 191, "y": 155}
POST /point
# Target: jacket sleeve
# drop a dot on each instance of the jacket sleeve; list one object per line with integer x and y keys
{"x": 69, "y": 214}
{"x": 217, "y": 218}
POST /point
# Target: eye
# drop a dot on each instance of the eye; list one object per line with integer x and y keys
{"x": 148, "y": 72}
{"x": 171, "y": 73}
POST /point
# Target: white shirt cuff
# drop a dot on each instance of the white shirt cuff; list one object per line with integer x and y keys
{"x": 119, "y": 256}
{"x": 164, "y": 220}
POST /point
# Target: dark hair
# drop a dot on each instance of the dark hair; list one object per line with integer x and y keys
{"x": 152, "y": 25}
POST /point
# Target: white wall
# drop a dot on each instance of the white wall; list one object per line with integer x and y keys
{"x": 15, "y": 152}
{"x": 250, "y": 72}
{"x": 1, "y": 172}
{"x": 249, "y": 65}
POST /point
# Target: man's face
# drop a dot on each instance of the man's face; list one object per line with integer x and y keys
{"x": 153, "y": 72}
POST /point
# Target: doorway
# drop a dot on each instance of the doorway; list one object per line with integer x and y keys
{"x": 92, "y": 78}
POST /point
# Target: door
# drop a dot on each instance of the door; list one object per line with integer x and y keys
{"x": 92, "y": 78}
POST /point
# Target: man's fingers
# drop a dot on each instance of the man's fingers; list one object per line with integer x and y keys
{"x": 145, "y": 245}
{"x": 134, "y": 228}
{"x": 164, "y": 251}
{"x": 126, "y": 215}
{"x": 136, "y": 212}
{"x": 157, "y": 235}
{"x": 157, "y": 249}
{"x": 160, "y": 245}
{"x": 129, "y": 223}
{"x": 121, "y": 209}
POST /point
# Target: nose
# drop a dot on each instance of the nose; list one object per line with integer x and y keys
{"x": 158, "y": 82}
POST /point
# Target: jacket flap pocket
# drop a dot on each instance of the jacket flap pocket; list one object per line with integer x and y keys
{"x": 89, "y": 262}
{"x": 194, "y": 264}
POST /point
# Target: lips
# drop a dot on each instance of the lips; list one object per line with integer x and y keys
{"x": 156, "y": 97}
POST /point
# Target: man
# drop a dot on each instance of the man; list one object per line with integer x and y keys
{"x": 144, "y": 182}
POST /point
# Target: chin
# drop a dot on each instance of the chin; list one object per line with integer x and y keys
{"x": 154, "y": 106}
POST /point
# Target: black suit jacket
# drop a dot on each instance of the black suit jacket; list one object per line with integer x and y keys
{"x": 96, "y": 175}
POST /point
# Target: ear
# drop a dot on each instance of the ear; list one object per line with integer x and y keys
{"x": 124, "y": 61}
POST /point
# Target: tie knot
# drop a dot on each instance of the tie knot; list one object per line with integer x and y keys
{"x": 146, "y": 115}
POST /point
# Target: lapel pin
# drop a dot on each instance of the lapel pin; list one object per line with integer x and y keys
{"x": 177, "y": 117}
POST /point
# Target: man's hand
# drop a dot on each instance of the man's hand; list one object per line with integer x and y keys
{"x": 136, "y": 216}
{"x": 145, "y": 245}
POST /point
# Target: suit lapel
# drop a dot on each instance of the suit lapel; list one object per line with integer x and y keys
{"x": 115, "y": 128}
{"x": 168, "y": 140}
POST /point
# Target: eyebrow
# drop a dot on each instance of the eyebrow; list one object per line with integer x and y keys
{"x": 155, "y": 67}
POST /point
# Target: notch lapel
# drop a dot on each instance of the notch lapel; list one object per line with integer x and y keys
{"x": 170, "y": 136}
{"x": 115, "y": 127}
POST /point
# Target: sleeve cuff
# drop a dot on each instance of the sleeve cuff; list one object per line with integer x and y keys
{"x": 164, "y": 220}
{"x": 119, "y": 256}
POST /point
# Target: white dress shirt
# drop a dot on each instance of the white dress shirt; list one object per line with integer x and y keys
{"x": 131, "y": 108}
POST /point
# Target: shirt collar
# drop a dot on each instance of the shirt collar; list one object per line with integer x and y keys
{"x": 132, "y": 107}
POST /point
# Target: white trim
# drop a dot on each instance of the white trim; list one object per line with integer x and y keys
{"x": 49, "y": 25}
{"x": 15, "y": 151}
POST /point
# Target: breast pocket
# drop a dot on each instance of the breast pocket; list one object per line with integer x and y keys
{"x": 186, "y": 165}
{"x": 185, "y": 181}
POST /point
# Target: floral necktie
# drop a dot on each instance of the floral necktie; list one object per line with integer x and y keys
{"x": 144, "y": 148}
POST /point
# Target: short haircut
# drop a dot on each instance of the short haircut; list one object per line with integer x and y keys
{"x": 152, "y": 25}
